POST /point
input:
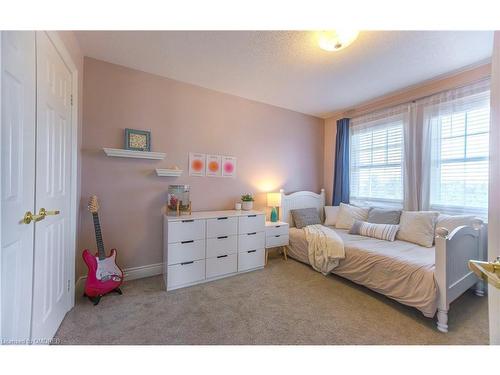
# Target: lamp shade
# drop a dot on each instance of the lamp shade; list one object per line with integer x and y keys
{"x": 273, "y": 199}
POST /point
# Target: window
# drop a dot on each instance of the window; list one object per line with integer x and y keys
{"x": 376, "y": 162}
{"x": 459, "y": 156}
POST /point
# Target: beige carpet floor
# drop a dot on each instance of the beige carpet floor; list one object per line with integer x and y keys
{"x": 285, "y": 303}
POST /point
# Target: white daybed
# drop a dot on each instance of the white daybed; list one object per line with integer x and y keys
{"x": 428, "y": 279}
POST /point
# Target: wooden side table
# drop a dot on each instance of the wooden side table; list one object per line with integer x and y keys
{"x": 276, "y": 236}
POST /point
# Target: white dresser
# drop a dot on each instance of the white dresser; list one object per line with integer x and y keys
{"x": 209, "y": 245}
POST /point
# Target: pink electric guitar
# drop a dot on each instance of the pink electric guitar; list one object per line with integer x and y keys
{"x": 104, "y": 275}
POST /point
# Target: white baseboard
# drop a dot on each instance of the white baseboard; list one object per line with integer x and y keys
{"x": 131, "y": 273}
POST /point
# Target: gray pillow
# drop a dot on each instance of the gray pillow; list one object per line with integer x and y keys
{"x": 383, "y": 216}
{"x": 305, "y": 216}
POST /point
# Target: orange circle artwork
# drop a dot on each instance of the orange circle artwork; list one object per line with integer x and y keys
{"x": 213, "y": 166}
{"x": 197, "y": 165}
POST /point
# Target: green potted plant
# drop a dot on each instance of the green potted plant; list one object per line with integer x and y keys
{"x": 247, "y": 202}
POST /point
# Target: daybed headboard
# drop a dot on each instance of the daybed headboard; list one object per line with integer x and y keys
{"x": 301, "y": 199}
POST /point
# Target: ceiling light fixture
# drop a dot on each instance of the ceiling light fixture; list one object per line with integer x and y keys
{"x": 337, "y": 39}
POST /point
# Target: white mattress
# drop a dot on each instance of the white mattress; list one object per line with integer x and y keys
{"x": 399, "y": 270}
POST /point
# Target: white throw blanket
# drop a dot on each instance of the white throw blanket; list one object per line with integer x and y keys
{"x": 325, "y": 248}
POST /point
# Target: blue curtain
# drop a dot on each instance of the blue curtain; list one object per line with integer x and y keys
{"x": 341, "y": 179}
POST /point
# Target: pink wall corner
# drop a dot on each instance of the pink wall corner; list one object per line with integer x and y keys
{"x": 275, "y": 148}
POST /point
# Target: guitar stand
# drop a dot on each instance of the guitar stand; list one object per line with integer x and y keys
{"x": 95, "y": 300}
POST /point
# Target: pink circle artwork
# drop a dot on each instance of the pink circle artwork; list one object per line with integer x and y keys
{"x": 228, "y": 167}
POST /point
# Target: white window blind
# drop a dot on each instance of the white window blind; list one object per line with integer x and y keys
{"x": 376, "y": 162}
{"x": 459, "y": 155}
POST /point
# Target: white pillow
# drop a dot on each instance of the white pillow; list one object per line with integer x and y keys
{"x": 451, "y": 222}
{"x": 385, "y": 232}
{"x": 417, "y": 227}
{"x": 331, "y": 213}
{"x": 347, "y": 214}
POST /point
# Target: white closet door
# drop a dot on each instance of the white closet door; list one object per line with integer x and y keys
{"x": 51, "y": 298}
{"x": 18, "y": 183}
{"x": 494, "y": 194}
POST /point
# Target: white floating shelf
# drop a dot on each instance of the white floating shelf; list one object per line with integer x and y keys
{"x": 168, "y": 172}
{"x": 121, "y": 153}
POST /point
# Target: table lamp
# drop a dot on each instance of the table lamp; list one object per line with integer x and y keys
{"x": 274, "y": 201}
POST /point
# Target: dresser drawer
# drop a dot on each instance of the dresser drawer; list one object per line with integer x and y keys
{"x": 278, "y": 240}
{"x": 276, "y": 230}
{"x": 222, "y": 226}
{"x": 186, "y": 230}
{"x": 186, "y": 251}
{"x": 251, "y": 241}
{"x": 251, "y": 223}
{"x": 221, "y": 265}
{"x": 185, "y": 273}
{"x": 251, "y": 259}
{"x": 222, "y": 245}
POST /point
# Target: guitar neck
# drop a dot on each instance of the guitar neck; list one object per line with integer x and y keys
{"x": 98, "y": 237}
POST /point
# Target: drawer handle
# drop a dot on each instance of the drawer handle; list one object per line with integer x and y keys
{"x": 252, "y": 215}
{"x": 190, "y": 241}
{"x": 221, "y": 237}
{"x": 251, "y": 251}
{"x": 222, "y": 218}
{"x": 279, "y": 235}
{"x": 251, "y": 234}
{"x": 278, "y": 226}
{"x": 185, "y": 263}
{"x": 187, "y": 221}
{"x": 221, "y": 256}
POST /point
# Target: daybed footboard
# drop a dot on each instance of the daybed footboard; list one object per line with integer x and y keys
{"x": 453, "y": 277}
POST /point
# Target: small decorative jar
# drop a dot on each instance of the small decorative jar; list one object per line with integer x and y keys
{"x": 237, "y": 206}
{"x": 178, "y": 200}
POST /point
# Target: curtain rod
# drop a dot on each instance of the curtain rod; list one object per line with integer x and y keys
{"x": 357, "y": 113}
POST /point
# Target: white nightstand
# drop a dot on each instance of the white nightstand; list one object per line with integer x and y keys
{"x": 276, "y": 236}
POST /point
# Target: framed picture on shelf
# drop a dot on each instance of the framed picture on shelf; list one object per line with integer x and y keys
{"x": 137, "y": 140}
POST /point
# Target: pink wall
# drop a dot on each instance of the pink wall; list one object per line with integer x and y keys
{"x": 276, "y": 148}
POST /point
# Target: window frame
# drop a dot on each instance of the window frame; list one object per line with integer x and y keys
{"x": 399, "y": 121}
{"x": 465, "y": 104}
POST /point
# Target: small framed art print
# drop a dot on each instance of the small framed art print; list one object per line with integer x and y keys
{"x": 197, "y": 164}
{"x": 137, "y": 140}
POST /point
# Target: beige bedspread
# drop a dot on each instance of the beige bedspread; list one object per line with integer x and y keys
{"x": 400, "y": 270}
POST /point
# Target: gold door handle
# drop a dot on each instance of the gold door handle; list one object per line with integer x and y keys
{"x": 29, "y": 217}
{"x": 487, "y": 271}
{"x": 43, "y": 212}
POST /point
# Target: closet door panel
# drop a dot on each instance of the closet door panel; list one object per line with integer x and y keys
{"x": 17, "y": 183}
{"x": 51, "y": 297}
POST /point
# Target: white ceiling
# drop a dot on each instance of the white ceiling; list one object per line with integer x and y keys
{"x": 286, "y": 68}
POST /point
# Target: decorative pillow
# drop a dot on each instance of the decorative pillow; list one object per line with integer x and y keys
{"x": 381, "y": 231}
{"x": 383, "y": 216}
{"x": 331, "y": 213}
{"x": 417, "y": 227}
{"x": 451, "y": 222}
{"x": 305, "y": 216}
{"x": 347, "y": 214}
